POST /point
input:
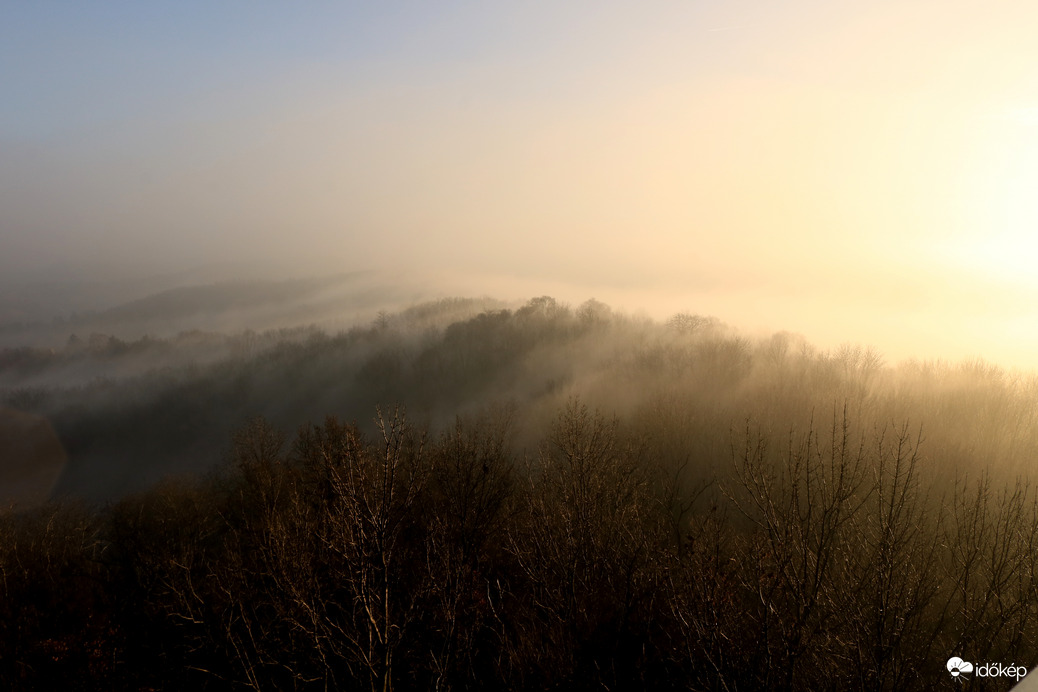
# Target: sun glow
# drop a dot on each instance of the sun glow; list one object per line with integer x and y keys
{"x": 1001, "y": 238}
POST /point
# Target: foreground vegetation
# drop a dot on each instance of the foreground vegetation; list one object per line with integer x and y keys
{"x": 709, "y": 513}
{"x": 344, "y": 563}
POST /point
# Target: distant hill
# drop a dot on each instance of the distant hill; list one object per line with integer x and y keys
{"x": 216, "y": 306}
{"x": 213, "y": 299}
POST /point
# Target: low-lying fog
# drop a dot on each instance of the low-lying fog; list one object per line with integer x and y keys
{"x": 119, "y": 396}
{"x": 904, "y": 314}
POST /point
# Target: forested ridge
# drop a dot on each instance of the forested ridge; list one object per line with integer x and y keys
{"x": 466, "y": 496}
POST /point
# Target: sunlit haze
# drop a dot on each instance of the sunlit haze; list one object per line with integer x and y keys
{"x": 856, "y": 172}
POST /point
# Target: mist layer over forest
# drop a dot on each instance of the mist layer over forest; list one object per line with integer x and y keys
{"x": 470, "y": 492}
{"x": 130, "y": 410}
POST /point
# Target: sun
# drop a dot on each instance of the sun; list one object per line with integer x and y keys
{"x": 1001, "y": 237}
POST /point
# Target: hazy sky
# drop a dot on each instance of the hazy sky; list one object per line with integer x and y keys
{"x": 856, "y": 171}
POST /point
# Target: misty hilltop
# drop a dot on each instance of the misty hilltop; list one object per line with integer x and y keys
{"x": 130, "y": 411}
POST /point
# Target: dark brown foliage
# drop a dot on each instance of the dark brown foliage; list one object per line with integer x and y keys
{"x": 826, "y": 559}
